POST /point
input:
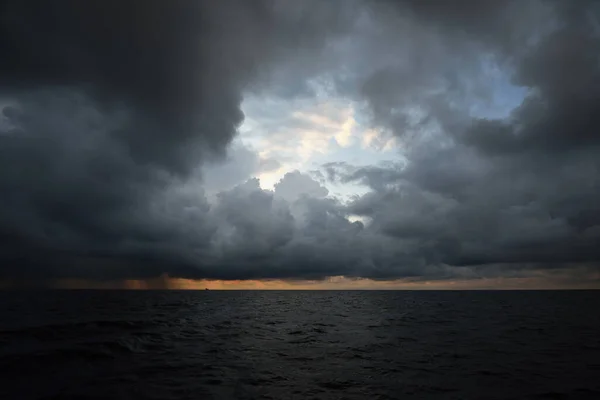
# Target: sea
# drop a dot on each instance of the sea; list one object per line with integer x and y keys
{"x": 77, "y": 344}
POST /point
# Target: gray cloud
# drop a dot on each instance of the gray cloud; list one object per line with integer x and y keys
{"x": 294, "y": 185}
{"x": 99, "y": 125}
{"x": 521, "y": 190}
{"x": 179, "y": 66}
{"x": 116, "y": 158}
{"x": 240, "y": 164}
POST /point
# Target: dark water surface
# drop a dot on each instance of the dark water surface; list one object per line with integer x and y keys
{"x": 299, "y": 345}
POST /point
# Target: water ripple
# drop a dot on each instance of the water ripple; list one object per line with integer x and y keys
{"x": 298, "y": 345}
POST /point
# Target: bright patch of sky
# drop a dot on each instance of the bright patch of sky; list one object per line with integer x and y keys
{"x": 305, "y": 133}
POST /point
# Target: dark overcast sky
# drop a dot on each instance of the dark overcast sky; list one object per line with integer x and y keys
{"x": 111, "y": 110}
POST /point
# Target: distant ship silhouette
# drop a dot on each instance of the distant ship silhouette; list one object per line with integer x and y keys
{"x": 206, "y": 289}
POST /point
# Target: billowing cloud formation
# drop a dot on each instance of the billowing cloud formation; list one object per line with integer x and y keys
{"x": 112, "y": 140}
{"x": 521, "y": 190}
{"x": 106, "y": 107}
{"x": 178, "y": 67}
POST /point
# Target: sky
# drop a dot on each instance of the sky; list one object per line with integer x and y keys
{"x": 276, "y": 144}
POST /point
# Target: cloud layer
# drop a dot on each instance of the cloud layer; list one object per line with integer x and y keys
{"x": 118, "y": 159}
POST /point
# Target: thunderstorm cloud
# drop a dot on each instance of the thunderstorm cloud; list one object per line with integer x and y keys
{"x": 136, "y": 138}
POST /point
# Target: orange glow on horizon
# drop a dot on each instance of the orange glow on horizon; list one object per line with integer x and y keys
{"x": 165, "y": 282}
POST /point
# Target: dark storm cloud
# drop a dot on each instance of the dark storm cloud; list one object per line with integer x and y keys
{"x": 107, "y": 111}
{"x": 518, "y": 190}
{"x": 509, "y": 193}
{"x": 181, "y": 64}
{"x": 561, "y": 113}
{"x": 150, "y": 56}
{"x": 111, "y": 109}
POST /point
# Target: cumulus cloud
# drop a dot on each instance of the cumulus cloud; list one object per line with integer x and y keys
{"x": 99, "y": 126}
{"x": 118, "y": 158}
{"x": 523, "y": 189}
{"x": 295, "y": 185}
{"x": 240, "y": 163}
